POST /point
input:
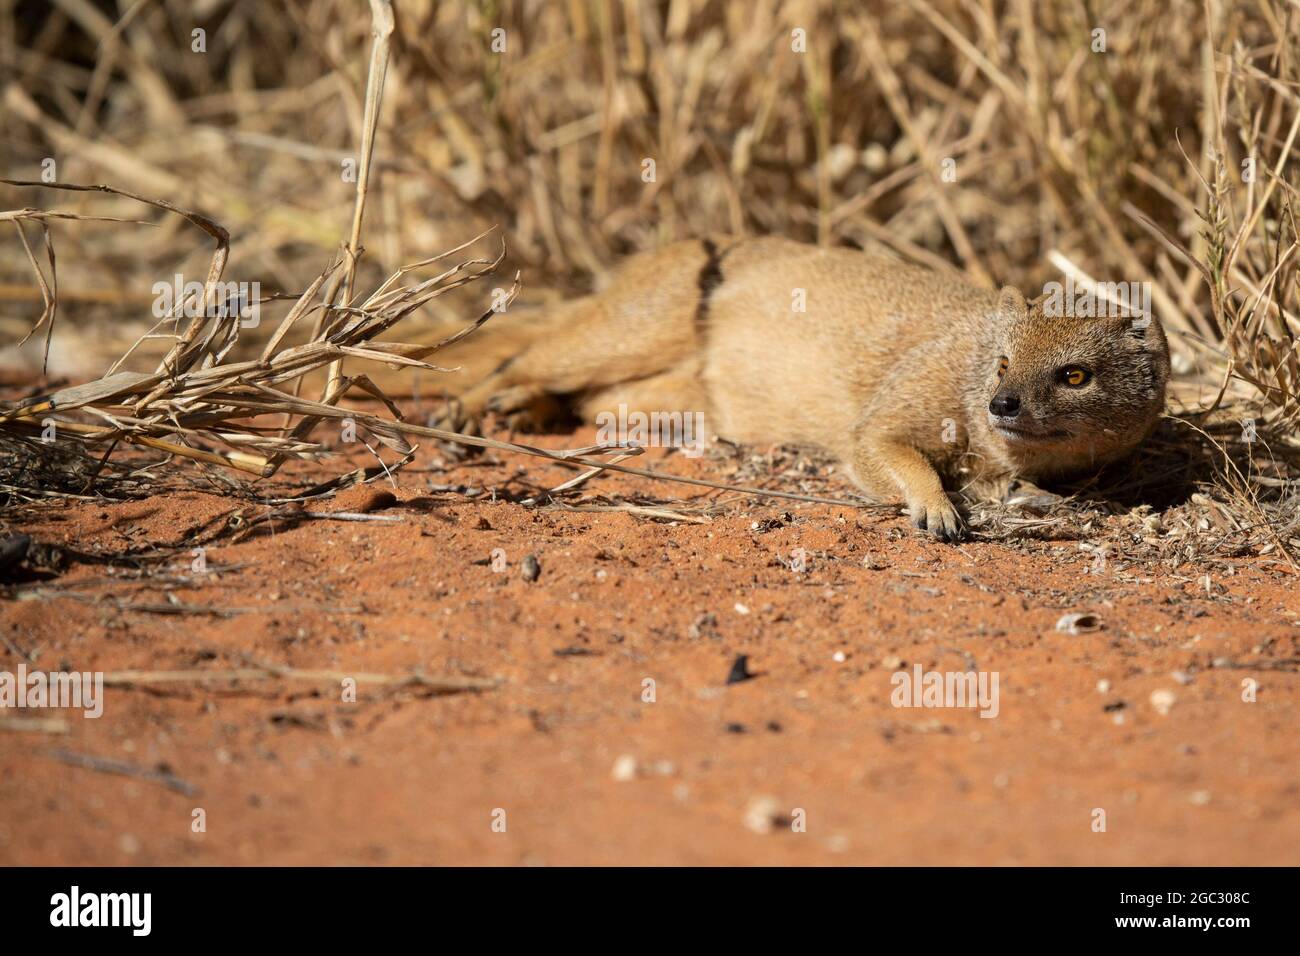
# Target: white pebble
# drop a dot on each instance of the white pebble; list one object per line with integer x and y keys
{"x": 761, "y": 814}
{"x": 1078, "y": 623}
{"x": 1163, "y": 700}
{"x": 624, "y": 768}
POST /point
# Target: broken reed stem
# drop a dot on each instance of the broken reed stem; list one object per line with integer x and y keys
{"x": 579, "y": 480}
{"x": 250, "y": 464}
{"x": 40, "y": 725}
{"x": 130, "y": 678}
{"x": 381, "y": 30}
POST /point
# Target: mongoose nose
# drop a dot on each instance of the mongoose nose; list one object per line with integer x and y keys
{"x": 1005, "y": 406}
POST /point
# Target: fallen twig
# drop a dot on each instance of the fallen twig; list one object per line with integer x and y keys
{"x": 104, "y": 765}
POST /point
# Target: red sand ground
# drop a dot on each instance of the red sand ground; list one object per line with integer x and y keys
{"x": 288, "y": 773}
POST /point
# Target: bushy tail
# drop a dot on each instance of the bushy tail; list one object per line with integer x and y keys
{"x": 474, "y": 357}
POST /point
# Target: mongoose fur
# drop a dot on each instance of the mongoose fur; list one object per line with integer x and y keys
{"x": 910, "y": 377}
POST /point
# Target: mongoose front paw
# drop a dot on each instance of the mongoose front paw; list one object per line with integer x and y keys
{"x": 454, "y": 417}
{"x": 527, "y": 409}
{"x": 938, "y": 517}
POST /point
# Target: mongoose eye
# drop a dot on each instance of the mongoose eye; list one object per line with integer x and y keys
{"x": 1002, "y": 366}
{"x": 1075, "y": 376}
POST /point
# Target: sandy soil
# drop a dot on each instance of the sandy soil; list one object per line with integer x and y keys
{"x": 586, "y": 770}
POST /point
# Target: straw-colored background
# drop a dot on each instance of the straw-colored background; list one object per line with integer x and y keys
{"x": 1065, "y": 158}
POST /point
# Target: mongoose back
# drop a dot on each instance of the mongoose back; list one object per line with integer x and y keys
{"x": 910, "y": 377}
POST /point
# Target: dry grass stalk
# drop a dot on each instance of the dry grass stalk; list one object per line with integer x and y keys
{"x": 196, "y": 397}
{"x": 437, "y": 685}
{"x": 1127, "y": 163}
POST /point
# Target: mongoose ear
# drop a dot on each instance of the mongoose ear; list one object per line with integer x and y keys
{"x": 1011, "y": 304}
{"x": 1141, "y": 328}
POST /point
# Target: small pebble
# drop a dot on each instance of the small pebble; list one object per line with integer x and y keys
{"x": 1078, "y": 623}
{"x": 762, "y": 814}
{"x": 1163, "y": 700}
{"x": 624, "y": 768}
{"x": 532, "y": 568}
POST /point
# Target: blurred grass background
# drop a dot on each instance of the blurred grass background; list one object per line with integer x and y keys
{"x": 1009, "y": 141}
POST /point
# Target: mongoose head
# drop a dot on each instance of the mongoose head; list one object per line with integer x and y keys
{"x": 1066, "y": 394}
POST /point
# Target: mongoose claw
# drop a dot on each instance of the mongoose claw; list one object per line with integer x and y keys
{"x": 938, "y": 517}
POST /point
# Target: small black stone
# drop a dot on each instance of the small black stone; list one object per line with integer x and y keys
{"x": 13, "y": 549}
{"x": 740, "y": 670}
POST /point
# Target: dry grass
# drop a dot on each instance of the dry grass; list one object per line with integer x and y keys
{"x": 1125, "y": 165}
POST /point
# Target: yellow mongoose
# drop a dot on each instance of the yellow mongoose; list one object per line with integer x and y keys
{"x": 909, "y": 377}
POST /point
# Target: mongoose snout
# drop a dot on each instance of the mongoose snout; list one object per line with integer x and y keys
{"x": 1004, "y": 406}
{"x": 917, "y": 381}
